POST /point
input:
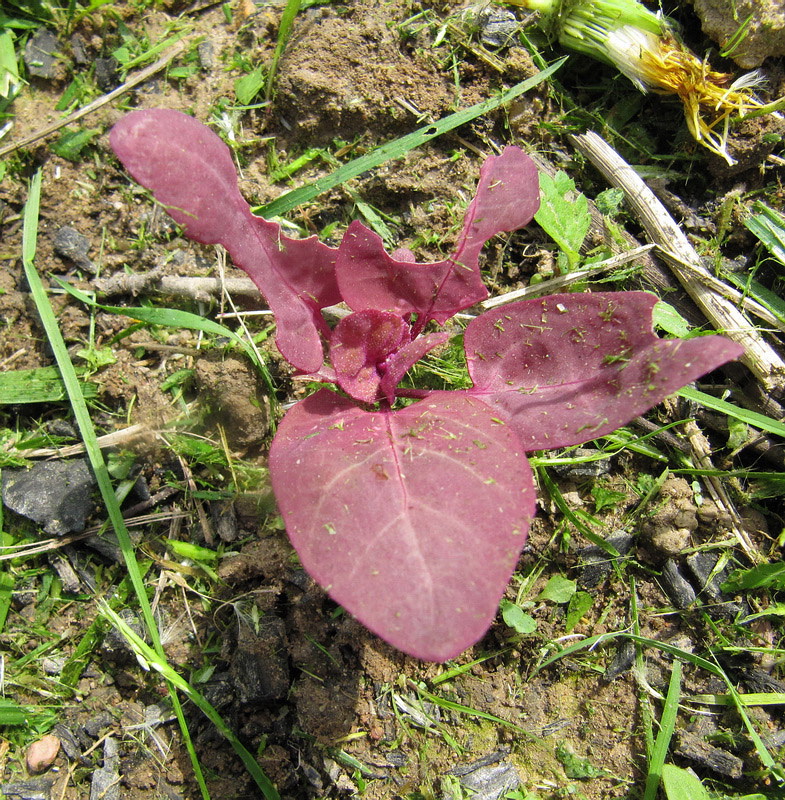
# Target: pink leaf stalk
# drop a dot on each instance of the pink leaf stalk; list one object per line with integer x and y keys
{"x": 414, "y": 518}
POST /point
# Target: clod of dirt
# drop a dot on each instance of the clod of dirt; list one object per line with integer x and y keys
{"x": 55, "y": 494}
{"x": 74, "y": 246}
{"x": 670, "y": 528}
{"x": 42, "y": 754}
{"x": 234, "y": 399}
{"x": 325, "y": 86}
{"x": 764, "y": 35}
{"x": 260, "y": 669}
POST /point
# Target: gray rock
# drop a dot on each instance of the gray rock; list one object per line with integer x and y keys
{"x": 69, "y": 243}
{"x": 206, "y": 52}
{"x": 34, "y": 789}
{"x": 97, "y": 723}
{"x": 55, "y": 494}
{"x": 497, "y": 27}
{"x": 700, "y": 752}
{"x": 676, "y": 586}
{"x": 596, "y": 564}
{"x": 105, "y": 784}
{"x": 489, "y": 782}
{"x": 224, "y": 518}
{"x": 41, "y": 55}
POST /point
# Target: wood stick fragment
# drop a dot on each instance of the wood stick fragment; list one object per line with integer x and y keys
{"x": 764, "y": 362}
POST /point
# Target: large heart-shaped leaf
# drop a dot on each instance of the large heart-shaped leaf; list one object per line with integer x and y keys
{"x": 568, "y": 368}
{"x": 506, "y": 198}
{"x": 191, "y": 172}
{"x": 413, "y": 520}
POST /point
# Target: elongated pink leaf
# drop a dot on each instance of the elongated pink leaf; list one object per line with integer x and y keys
{"x": 191, "y": 172}
{"x": 413, "y": 520}
{"x": 507, "y": 197}
{"x": 568, "y": 368}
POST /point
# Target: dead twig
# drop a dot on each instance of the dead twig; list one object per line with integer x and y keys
{"x": 767, "y": 366}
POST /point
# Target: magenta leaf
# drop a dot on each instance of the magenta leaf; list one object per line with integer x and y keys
{"x": 400, "y": 362}
{"x": 413, "y": 520}
{"x": 359, "y": 345}
{"x": 568, "y": 368}
{"x": 191, "y": 172}
{"x": 507, "y": 197}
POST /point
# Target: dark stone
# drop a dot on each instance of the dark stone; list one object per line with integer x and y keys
{"x": 622, "y": 661}
{"x": 55, "y": 494}
{"x": 69, "y": 243}
{"x": 206, "y": 53}
{"x": 705, "y": 755}
{"x": 68, "y": 741}
{"x": 701, "y": 565}
{"x": 676, "y": 586}
{"x": 596, "y": 564}
{"x": 79, "y": 50}
{"x": 34, "y": 789}
{"x": 584, "y": 469}
{"x": 41, "y": 55}
{"x": 260, "y": 669}
{"x": 106, "y": 73}
{"x": 94, "y": 725}
{"x": 498, "y": 27}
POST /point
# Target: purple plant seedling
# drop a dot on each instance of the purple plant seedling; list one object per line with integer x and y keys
{"x": 413, "y": 518}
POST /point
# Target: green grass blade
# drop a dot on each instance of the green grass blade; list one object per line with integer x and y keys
{"x": 93, "y": 451}
{"x": 155, "y": 661}
{"x": 759, "y": 421}
{"x": 399, "y": 147}
{"x": 284, "y": 31}
{"x": 667, "y": 726}
{"x": 175, "y": 318}
{"x": 41, "y": 385}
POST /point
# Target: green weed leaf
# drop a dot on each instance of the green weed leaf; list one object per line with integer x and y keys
{"x": 579, "y": 604}
{"x": 558, "y": 589}
{"x": 761, "y": 577}
{"x": 563, "y": 215}
{"x": 514, "y": 616}
{"x": 70, "y": 145}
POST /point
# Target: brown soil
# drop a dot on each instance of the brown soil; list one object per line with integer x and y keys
{"x": 328, "y": 709}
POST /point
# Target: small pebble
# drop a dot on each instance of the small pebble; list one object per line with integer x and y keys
{"x": 42, "y": 754}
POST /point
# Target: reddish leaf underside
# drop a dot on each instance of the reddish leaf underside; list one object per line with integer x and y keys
{"x": 413, "y": 520}
{"x": 507, "y": 197}
{"x": 190, "y": 171}
{"x": 568, "y": 368}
